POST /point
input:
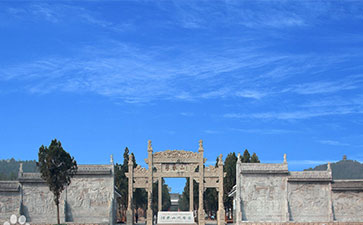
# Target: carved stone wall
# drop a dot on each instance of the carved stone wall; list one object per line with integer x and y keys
{"x": 308, "y": 201}
{"x": 263, "y": 197}
{"x": 38, "y": 204}
{"x": 89, "y": 198}
{"x": 270, "y": 193}
{"x": 348, "y": 205}
{"x": 9, "y": 200}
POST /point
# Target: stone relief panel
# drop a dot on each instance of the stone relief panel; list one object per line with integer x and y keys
{"x": 211, "y": 182}
{"x": 348, "y": 205}
{"x": 89, "y": 199}
{"x": 39, "y": 206}
{"x": 263, "y": 197}
{"x": 211, "y": 171}
{"x": 308, "y": 201}
{"x": 140, "y": 182}
{"x": 9, "y": 204}
{"x": 180, "y": 154}
{"x": 140, "y": 171}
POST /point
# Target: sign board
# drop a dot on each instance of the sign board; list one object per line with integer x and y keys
{"x": 175, "y": 218}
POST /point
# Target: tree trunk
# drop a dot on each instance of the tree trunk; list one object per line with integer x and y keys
{"x": 58, "y": 213}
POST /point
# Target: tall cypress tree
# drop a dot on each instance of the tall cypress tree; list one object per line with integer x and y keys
{"x": 57, "y": 167}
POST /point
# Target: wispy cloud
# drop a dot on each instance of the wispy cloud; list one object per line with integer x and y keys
{"x": 133, "y": 75}
{"x": 332, "y": 142}
{"x": 325, "y": 87}
{"x": 251, "y": 94}
{"x": 339, "y": 143}
{"x": 264, "y": 131}
{"x": 297, "y": 115}
{"x": 61, "y": 13}
{"x": 246, "y": 69}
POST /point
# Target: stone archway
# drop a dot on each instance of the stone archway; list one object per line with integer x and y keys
{"x": 176, "y": 163}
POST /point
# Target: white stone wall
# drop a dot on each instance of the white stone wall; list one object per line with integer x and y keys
{"x": 263, "y": 197}
{"x": 89, "y": 199}
{"x": 9, "y": 205}
{"x": 309, "y": 201}
{"x": 348, "y": 205}
{"x": 38, "y": 204}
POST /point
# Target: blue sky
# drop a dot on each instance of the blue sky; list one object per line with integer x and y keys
{"x": 274, "y": 77}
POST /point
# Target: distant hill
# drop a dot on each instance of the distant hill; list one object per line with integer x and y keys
{"x": 343, "y": 169}
{"x": 9, "y": 168}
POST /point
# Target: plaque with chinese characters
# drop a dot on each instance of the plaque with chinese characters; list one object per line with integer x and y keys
{"x": 175, "y": 218}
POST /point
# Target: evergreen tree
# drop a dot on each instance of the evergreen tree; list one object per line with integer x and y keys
{"x": 184, "y": 198}
{"x": 246, "y": 158}
{"x": 121, "y": 183}
{"x": 165, "y": 205}
{"x": 229, "y": 179}
{"x": 254, "y": 158}
{"x": 210, "y": 196}
{"x": 57, "y": 167}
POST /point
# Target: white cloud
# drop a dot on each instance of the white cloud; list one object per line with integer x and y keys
{"x": 264, "y": 131}
{"x": 324, "y": 87}
{"x": 332, "y": 142}
{"x": 297, "y": 115}
{"x": 251, "y": 94}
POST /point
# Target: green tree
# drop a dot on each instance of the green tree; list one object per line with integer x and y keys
{"x": 229, "y": 179}
{"x": 57, "y": 167}
{"x": 165, "y": 199}
{"x": 210, "y": 197}
{"x": 184, "y": 198}
{"x": 246, "y": 158}
{"x": 121, "y": 183}
{"x": 254, "y": 158}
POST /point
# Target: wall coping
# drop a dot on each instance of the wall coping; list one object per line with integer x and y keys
{"x": 9, "y": 186}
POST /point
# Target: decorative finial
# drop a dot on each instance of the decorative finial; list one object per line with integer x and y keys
{"x": 149, "y": 147}
{"x": 131, "y": 159}
{"x": 328, "y": 167}
{"x": 285, "y": 161}
{"x": 111, "y": 159}
{"x": 220, "y": 160}
{"x": 20, "y": 174}
{"x": 239, "y": 158}
{"x": 201, "y": 149}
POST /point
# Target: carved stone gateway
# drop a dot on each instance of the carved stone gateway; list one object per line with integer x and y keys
{"x": 176, "y": 163}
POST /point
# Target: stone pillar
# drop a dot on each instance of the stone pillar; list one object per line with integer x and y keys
{"x": 160, "y": 194}
{"x": 220, "y": 213}
{"x": 130, "y": 209}
{"x": 20, "y": 175}
{"x": 238, "y": 191}
{"x": 112, "y": 202}
{"x": 149, "y": 211}
{"x": 191, "y": 194}
{"x": 330, "y": 201}
{"x": 201, "y": 216}
{"x": 286, "y": 211}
